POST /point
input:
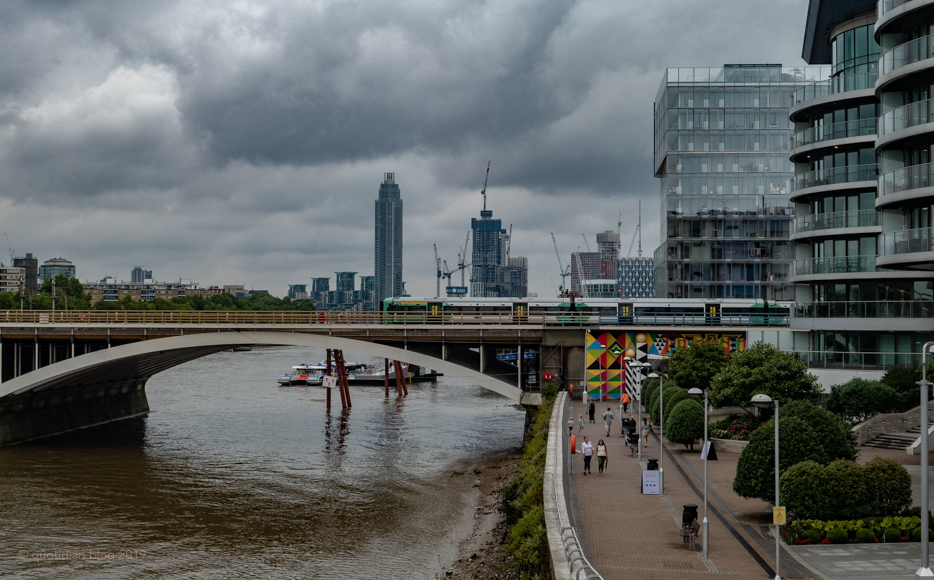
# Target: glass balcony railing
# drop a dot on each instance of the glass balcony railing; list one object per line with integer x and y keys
{"x": 857, "y": 128}
{"x": 908, "y": 241}
{"x": 837, "y": 219}
{"x": 907, "y": 116}
{"x": 839, "y": 84}
{"x": 907, "y": 178}
{"x": 904, "y": 54}
{"x": 884, "y": 6}
{"x": 834, "y": 175}
{"x": 867, "y": 309}
{"x": 835, "y": 265}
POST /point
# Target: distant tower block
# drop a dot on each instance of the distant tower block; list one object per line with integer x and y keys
{"x": 388, "y": 242}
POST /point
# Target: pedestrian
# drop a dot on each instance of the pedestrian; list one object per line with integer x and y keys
{"x": 625, "y": 402}
{"x": 601, "y": 456}
{"x": 646, "y": 429}
{"x": 591, "y": 410}
{"x": 608, "y": 420}
{"x": 571, "y": 426}
{"x": 581, "y": 428}
{"x": 587, "y": 450}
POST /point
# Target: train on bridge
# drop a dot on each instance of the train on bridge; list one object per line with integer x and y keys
{"x": 586, "y": 311}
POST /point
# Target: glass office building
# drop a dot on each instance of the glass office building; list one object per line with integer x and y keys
{"x": 721, "y": 153}
{"x": 387, "y": 264}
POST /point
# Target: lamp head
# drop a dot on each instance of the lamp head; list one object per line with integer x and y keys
{"x": 653, "y": 376}
{"x": 762, "y": 401}
{"x": 695, "y": 393}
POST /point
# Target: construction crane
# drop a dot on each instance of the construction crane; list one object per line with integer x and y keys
{"x": 619, "y": 227}
{"x": 580, "y": 272}
{"x": 586, "y": 245}
{"x": 438, "y": 268}
{"x": 447, "y": 273}
{"x": 9, "y": 247}
{"x": 637, "y": 232}
{"x": 462, "y": 264}
{"x": 565, "y": 271}
{"x": 483, "y": 193}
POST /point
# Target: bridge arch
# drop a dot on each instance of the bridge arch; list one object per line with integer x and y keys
{"x": 137, "y": 362}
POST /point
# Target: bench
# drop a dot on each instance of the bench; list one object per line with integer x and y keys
{"x": 689, "y": 533}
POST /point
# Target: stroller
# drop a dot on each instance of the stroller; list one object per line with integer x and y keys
{"x": 632, "y": 438}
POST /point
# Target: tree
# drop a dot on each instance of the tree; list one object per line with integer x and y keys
{"x": 755, "y": 470}
{"x": 686, "y": 423}
{"x": 672, "y": 401}
{"x": 806, "y": 491}
{"x": 663, "y": 396}
{"x": 835, "y": 434}
{"x": 888, "y": 487}
{"x": 859, "y": 399}
{"x": 696, "y": 364}
{"x": 762, "y": 368}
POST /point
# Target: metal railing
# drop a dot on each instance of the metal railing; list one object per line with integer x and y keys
{"x": 837, "y": 219}
{"x": 858, "y": 360}
{"x": 839, "y": 84}
{"x": 907, "y": 178}
{"x": 908, "y": 241}
{"x": 884, "y": 6}
{"x": 904, "y": 54}
{"x": 866, "y": 309}
{"x": 577, "y": 561}
{"x": 444, "y": 318}
{"x": 910, "y": 115}
{"x": 834, "y": 176}
{"x": 841, "y": 130}
{"x": 835, "y": 265}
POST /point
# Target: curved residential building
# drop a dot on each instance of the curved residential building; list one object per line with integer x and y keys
{"x": 863, "y": 274}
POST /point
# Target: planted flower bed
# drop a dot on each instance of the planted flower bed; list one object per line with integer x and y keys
{"x": 865, "y": 531}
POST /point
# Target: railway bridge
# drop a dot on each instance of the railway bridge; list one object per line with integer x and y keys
{"x": 61, "y": 371}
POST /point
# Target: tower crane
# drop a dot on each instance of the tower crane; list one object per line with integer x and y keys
{"x": 619, "y": 227}
{"x": 462, "y": 263}
{"x": 637, "y": 232}
{"x": 564, "y": 271}
{"x": 586, "y": 245}
{"x": 483, "y": 193}
{"x": 508, "y": 243}
{"x": 438, "y": 269}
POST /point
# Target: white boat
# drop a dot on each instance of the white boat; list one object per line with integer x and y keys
{"x": 306, "y": 374}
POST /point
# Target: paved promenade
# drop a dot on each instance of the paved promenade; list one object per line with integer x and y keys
{"x": 628, "y": 535}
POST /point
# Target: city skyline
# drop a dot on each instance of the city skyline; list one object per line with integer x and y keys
{"x": 173, "y": 150}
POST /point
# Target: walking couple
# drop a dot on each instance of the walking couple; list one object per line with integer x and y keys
{"x": 587, "y": 448}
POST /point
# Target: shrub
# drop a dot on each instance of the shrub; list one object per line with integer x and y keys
{"x": 837, "y": 536}
{"x": 649, "y": 388}
{"x": 677, "y": 396}
{"x": 686, "y": 423}
{"x": 696, "y": 364}
{"x": 916, "y": 535}
{"x": 667, "y": 393}
{"x": 892, "y": 535}
{"x": 755, "y": 471}
{"x": 835, "y": 434}
{"x": 859, "y": 399}
{"x": 846, "y": 489}
{"x": 738, "y": 427}
{"x": 889, "y": 487}
{"x": 762, "y": 368}
{"x": 865, "y": 536}
{"x": 806, "y": 491}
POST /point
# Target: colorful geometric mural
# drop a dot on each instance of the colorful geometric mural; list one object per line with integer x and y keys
{"x": 607, "y": 372}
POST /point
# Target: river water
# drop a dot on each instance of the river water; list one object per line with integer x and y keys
{"x": 232, "y": 476}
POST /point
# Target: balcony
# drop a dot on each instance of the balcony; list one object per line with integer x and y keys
{"x": 834, "y": 176}
{"x": 920, "y": 309}
{"x": 835, "y": 220}
{"x": 835, "y": 265}
{"x": 905, "y": 117}
{"x": 842, "y": 130}
{"x": 885, "y": 6}
{"x": 917, "y": 50}
{"x": 910, "y": 183}
{"x": 834, "y": 86}
{"x": 907, "y": 242}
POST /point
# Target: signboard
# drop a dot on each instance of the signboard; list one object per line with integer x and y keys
{"x": 329, "y": 382}
{"x": 650, "y": 483}
{"x": 778, "y": 516}
{"x": 708, "y": 452}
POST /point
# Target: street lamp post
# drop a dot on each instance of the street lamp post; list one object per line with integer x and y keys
{"x": 925, "y": 569}
{"x": 632, "y": 362}
{"x": 764, "y": 402}
{"x": 696, "y": 393}
{"x": 661, "y": 431}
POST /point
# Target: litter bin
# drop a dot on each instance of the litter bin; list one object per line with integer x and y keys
{"x": 652, "y": 465}
{"x": 689, "y": 514}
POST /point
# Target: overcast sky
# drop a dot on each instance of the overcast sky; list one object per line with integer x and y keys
{"x": 244, "y": 142}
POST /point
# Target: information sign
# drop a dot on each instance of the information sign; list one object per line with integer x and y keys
{"x": 778, "y": 516}
{"x": 329, "y": 382}
{"x": 650, "y": 483}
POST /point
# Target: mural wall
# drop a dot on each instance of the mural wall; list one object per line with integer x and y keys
{"x": 607, "y": 372}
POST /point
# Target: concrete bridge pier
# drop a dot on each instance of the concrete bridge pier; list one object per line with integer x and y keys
{"x": 43, "y": 413}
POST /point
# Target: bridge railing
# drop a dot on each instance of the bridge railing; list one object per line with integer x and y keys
{"x": 457, "y": 318}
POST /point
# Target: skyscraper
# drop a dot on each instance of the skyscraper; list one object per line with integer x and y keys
{"x": 30, "y": 265}
{"x": 489, "y": 256}
{"x": 388, "y": 255}
{"x": 721, "y": 152}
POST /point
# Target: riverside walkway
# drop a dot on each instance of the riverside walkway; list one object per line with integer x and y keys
{"x": 627, "y": 535}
